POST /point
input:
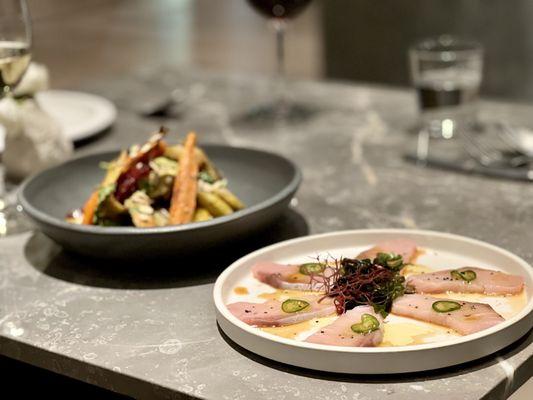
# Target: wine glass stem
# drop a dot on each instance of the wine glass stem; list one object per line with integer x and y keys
{"x": 5, "y": 92}
{"x": 3, "y": 203}
{"x": 279, "y": 26}
{"x": 281, "y": 101}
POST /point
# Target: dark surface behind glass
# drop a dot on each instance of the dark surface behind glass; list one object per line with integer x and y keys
{"x": 367, "y": 40}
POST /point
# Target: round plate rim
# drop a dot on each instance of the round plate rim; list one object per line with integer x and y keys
{"x": 39, "y": 215}
{"x": 107, "y": 117}
{"x": 223, "y": 311}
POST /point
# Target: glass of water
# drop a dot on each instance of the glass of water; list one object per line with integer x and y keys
{"x": 446, "y": 72}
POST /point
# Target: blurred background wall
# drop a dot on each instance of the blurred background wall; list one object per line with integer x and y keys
{"x": 368, "y": 39}
{"x": 363, "y": 40}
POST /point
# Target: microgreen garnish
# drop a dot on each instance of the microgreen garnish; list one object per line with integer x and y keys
{"x": 352, "y": 282}
{"x": 389, "y": 260}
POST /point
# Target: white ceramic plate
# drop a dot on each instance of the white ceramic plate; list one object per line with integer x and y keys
{"x": 81, "y": 115}
{"x": 442, "y": 251}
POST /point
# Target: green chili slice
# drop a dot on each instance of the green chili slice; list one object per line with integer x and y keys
{"x": 445, "y": 306}
{"x": 368, "y": 324}
{"x": 467, "y": 275}
{"x": 294, "y": 305}
{"x": 312, "y": 268}
{"x": 390, "y": 260}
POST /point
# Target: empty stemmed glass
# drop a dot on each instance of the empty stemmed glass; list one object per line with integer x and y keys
{"x": 15, "y": 55}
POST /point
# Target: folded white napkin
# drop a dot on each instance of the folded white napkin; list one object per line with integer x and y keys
{"x": 34, "y": 140}
{"x": 34, "y": 80}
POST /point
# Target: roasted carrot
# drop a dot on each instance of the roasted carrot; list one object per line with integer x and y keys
{"x": 90, "y": 208}
{"x": 114, "y": 171}
{"x": 183, "y": 201}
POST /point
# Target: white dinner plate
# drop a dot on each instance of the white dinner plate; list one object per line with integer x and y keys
{"x": 441, "y": 251}
{"x": 81, "y": 115}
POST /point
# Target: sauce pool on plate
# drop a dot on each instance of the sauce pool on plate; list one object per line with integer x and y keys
{"x": 241, "y": 290}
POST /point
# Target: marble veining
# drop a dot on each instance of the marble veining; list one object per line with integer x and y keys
{"x": 152, "y": 333}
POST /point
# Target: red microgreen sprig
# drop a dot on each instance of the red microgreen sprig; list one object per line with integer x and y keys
{"x": 352, "y": 282}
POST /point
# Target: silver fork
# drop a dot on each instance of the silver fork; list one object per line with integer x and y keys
{"x": 491, "y": 154}
{"x": 515, "y": 138}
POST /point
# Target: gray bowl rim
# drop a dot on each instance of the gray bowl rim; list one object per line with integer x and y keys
{"x": 45, "y": 218}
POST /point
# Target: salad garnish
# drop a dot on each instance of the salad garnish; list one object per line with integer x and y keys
{"x": 352, "y": 282}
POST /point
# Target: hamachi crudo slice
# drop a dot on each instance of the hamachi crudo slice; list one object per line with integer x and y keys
{"x": 280, "y": 313}
{"x": 404, "y": 247}
{"x": 467, "y": 280}
{"x": 299, "y": 277}
{"x": 462, "y": 316}
{"x": 358, "y": 327}
{"x": 291, "y": 277}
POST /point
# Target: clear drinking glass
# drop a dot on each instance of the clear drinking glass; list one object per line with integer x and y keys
{"x": 15, "y": 55}
{"x": 446, "y": 72}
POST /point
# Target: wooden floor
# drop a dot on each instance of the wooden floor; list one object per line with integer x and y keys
{"x": 88, "y": 39}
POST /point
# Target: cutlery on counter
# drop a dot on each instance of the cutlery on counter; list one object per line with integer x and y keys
{"x": 496, "y": 149}
{"x": 175, "y": 104}
{"x": 499, "y": 145}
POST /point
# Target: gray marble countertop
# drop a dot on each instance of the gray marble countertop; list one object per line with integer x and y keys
{"x": 149, "y": 331}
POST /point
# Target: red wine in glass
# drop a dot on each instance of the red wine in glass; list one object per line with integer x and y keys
{"x": 279, "y": 8}
{"x": 279, "y": 12}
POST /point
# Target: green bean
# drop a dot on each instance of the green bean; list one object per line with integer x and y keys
{"x": 214, "y": 204}
{"x": 201, "y": 214}
{"x": 230, "y": 198}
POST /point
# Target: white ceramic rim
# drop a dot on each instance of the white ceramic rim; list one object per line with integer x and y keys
{"x": 222, "y": 309}
{"x": 106, "y": 112}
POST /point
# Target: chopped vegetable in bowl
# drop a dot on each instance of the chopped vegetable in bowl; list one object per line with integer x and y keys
{"x": 157, "y": 184}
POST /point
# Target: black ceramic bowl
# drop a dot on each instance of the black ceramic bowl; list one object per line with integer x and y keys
{"x": 264, "y": 181}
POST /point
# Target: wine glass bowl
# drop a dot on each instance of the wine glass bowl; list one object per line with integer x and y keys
{"x": 279, "y": 8}
{"x": 282, "y": 108}
{"x": 15, "y": 43}
{"x": 15, "y": 56}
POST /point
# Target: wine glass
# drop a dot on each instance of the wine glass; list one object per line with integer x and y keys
{"x": 15, "y": 44}
{"x": 279, "y": 12}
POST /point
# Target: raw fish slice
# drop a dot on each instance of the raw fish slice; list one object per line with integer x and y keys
{"x": 486, "y": 281}
{"x": 404, "y": 247}
{"x": 470, "y": 318}
{"x": 286, "y": 277}
{"x": 339, "y": 333}
{"x": 271, "y": 312}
